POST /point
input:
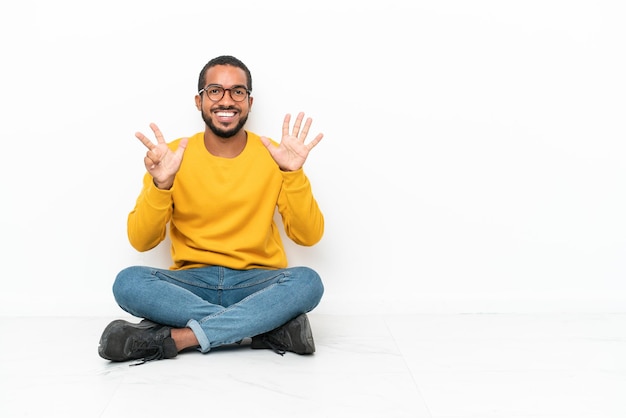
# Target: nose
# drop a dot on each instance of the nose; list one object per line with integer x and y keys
{"x": 227, "y": 96}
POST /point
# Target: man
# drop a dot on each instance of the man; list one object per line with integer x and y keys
{"x": 218, "y": 191}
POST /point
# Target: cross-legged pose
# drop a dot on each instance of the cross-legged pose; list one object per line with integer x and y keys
{"x": 218, "y": 191}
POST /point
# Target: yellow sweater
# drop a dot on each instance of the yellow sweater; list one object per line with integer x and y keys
{"x": 221, "y": 210}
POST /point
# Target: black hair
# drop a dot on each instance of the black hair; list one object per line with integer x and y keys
{"x": 224, "y": 60}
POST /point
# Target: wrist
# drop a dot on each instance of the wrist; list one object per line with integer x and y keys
{"x": 162, "y": 186}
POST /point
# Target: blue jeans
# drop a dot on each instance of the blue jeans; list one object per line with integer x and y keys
{"x": 220, "y": 305}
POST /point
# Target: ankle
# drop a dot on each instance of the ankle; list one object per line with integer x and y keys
{"x": 184, "y": 338}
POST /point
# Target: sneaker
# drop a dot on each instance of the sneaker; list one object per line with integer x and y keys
{"x": 146, "y": 341}
{"x": 294, "y": 336}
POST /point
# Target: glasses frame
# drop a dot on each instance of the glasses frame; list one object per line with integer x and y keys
{"x": 224, "y": 90}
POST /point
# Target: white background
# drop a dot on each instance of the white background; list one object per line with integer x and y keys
{"x": 473, "y": 157}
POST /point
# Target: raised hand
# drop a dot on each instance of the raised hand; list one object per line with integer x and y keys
{"x": 161, "y": 162}
{"x": 292, "y": 151}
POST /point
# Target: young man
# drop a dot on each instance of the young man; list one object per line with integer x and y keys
{"x": 218, "y": 191}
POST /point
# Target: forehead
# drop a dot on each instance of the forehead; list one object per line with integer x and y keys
{"x": 226, "y": 75}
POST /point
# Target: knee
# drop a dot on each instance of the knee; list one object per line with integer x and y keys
{"x": 125, "y": 282}
{"x": 312, "y": 281}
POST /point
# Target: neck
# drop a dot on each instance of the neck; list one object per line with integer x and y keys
{"x": 225, "y": 147}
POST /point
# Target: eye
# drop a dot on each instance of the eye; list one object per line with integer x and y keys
{"x": 239, "y": 91}
{"x": 214, "y": 90}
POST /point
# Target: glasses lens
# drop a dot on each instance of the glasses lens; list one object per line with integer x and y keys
{"x": 238, "y": 94}
{"x": 215, "y": 93}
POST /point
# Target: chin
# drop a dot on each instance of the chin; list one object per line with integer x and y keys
{"x": 225, "y": 133}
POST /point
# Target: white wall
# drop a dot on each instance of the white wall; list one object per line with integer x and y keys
{"x": 473, "y": 158}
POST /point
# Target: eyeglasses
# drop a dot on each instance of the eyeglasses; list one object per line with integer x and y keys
{"x": 215, "y": 92}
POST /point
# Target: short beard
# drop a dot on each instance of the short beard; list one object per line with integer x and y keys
{"x": 224, "y": 133}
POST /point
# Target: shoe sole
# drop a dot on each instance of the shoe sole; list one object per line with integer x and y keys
{"x": 306, "y": 336}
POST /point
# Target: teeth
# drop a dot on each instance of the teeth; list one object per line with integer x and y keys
{"x": 226, "y": 114}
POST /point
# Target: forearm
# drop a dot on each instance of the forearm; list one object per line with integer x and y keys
{"x": 147, "y": 222}
{"x": 302, "y": 217}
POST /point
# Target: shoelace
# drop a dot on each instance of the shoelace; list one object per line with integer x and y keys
{"x": 277, "y": 347}
{"x": 146, "y": 345}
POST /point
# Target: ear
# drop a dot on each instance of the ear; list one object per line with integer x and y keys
{"x": 250, "y": 100}
{"x": 198, "y": 102}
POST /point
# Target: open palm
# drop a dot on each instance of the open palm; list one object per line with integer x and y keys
{"x": 292, "y": 151}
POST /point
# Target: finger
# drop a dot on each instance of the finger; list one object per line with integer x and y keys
{"x": 315, "y": 141}
{"x": 305, "y": 129}
{"x": 144, "y": 140}
{"x": 183, "y": 143}
{"x": 286, "y": 124}
{"x": 157, "y": 133}
{"x": 265, "y": 141}
{"x": 296, "y": 126}
{"x": 268, "y": 144}
{"x": 182, "y": 146}
{"x": 153, "y": 156}
{"x": 150, "y": 163}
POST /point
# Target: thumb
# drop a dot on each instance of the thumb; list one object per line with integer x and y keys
{"x": 266, "y": 141}
{"x": 182, "y": 146}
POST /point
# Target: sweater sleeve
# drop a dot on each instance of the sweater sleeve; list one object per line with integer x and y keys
{"x": 301, "y": 215}
{"x": 147, "y": 222}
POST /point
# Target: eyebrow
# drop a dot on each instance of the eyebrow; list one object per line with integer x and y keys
{"x": 231, "y": 87}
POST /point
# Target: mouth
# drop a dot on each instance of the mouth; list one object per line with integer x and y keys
{"x": 225, "y": 116}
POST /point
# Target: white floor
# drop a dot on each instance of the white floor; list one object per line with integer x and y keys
{"x": 382, "y": 366}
